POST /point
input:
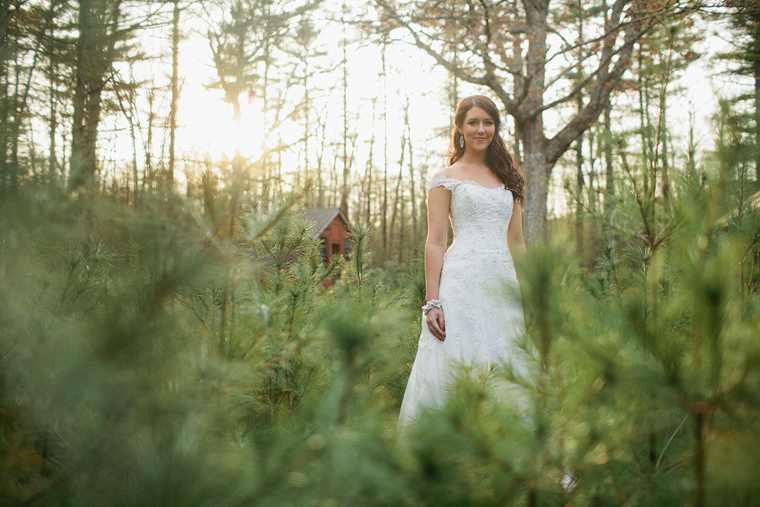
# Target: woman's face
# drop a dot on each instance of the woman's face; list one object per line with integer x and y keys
{"x": 478, "y": 129}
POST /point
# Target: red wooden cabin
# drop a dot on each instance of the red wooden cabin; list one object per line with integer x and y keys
{"x": 331, "y": 227}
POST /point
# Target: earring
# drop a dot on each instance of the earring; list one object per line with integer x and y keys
{"x": 461, "y": 140}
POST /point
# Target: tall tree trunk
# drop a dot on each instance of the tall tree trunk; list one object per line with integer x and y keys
{"x": 398, "y": 184}
{"x": 53, "y": 125}
{"x": 13, "y": 130}
{"x": 368, "y": 178}
{"x": 98, "y": 26}
{"x": 664, "y": 166}
{"x": 4, "y": 134}
{"x": 175, "y": 95}
{"x": 320, "y": 158}
{"x": 580, "y": 182}
{"x": 517, "y": 82}
{"x": 346, "y": 170}
{"x": 532, "y": 128}
{"x": 33, "y": 156}
{"x": 423, "y": 199}
{"x": 265, "y": 170}
{"x": 756, "y": 77}
{"x": 133, "y": 137}
{"x": 307, "y": 126}
{"x": 453, "y": 80}
{"x": 148, "y": 173}
{"x": 79, "y": 171}
{"x": 135, "y": 175}
{"x": 536, "y": 182}
{"x": 23, "y": 85}
{"x": 5, "y": 55}
{"x": 609, "y": 174}
{"x": 401, "y": 218}
{"x": 335, "y": 190}
{"x": 642, "y": 112}
{"x": 384, "y": 205}
{"x": 646, "y": 124}
{"x": 412, "y": 193}
{"x": 579, "y": 179}
{"x": 91, "y": 138}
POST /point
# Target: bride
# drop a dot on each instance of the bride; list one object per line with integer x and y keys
{"x": 473, "y": 315}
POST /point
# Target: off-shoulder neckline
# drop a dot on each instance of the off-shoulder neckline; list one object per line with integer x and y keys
{"x": 467, "y": 181}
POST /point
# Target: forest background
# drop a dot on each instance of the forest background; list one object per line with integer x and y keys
{"x": 165, "y": 332}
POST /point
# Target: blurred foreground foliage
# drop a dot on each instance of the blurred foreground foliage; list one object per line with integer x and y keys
{"x": 168, "y": 356}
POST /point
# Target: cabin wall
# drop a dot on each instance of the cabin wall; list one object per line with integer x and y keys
{"x": 335, "y": 241}
{"x": 335, "y": 236}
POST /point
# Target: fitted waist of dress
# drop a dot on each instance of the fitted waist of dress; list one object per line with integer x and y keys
{"x": 480, "y": 251}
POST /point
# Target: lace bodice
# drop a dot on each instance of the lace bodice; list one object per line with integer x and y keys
{"x": 479, "y": 215}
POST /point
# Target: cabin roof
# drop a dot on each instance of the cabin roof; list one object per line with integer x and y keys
{"x": 322, "y": 217}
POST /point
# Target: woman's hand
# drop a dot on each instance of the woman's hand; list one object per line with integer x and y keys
{"x": 435, "y": 323}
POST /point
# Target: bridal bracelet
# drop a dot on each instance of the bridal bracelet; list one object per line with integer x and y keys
{"x": 433, "y": 303}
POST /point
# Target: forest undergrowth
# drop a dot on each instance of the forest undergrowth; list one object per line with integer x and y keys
{"x": 173, "y": 355}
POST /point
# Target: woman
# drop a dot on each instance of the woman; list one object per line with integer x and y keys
{"x": 473, "y": 314}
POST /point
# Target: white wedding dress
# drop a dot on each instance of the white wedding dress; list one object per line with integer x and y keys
{"x": 480, "y": 296}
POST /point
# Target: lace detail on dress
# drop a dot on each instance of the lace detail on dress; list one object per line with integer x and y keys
{"x": 480, "y": 298}
{"x": 443, "y": 181}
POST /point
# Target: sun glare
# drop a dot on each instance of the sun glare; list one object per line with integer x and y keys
{"x": 211, "y": 128}
{"x": 207, "y": 123}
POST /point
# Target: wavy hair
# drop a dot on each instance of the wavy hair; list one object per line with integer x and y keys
{"x": 498, "y": 159}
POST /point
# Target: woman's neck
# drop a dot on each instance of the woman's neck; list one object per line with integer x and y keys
{"x": 473, "y": 158}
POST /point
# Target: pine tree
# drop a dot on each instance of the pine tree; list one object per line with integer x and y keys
{"x": 745, "y": 17}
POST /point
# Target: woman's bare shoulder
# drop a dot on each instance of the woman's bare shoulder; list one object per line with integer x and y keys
{"x": 446, "y": 172}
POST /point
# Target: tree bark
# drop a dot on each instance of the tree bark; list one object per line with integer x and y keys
{"x": 536, "y": 172}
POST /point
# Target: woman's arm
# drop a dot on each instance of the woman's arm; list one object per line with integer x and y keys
{"x": 435, "y": 248}
{"x": 517, "y": 243}
{"x": 519, "y": 254}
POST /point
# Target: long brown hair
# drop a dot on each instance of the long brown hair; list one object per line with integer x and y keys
{"x": 498, "y": 159}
